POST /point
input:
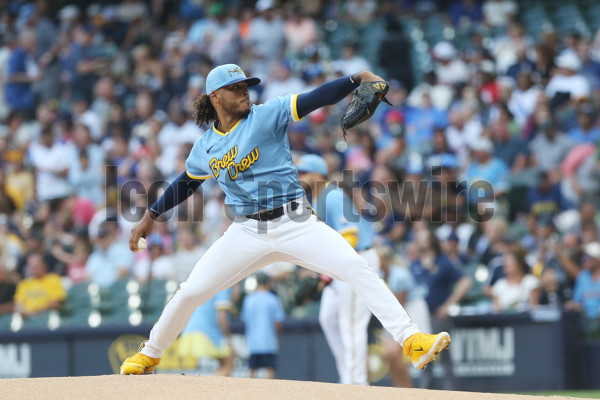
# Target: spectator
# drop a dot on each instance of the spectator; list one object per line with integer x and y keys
{"x": 7, "y": 291}
{"x": 449, "y": 68}
{"x": 486, "y": 172}
{"x": 153, "y": 263}
{"x": 300, "y": 31}
{"x": 81, "y": 64}
{"x": 443, "y": 284}
{"x": 51, "y": 160}
{"x": 207, "y": 333}
{"x": 351, "y": 61}
{"x": 552, "y": 292}
{"x": 498, "y": 13}
{"x": 524, "y": 98}
{"x": 586, "y": 296}
{"x": 545, "y": 197}
{"x": 41, "y": 292}
{"x": 280, "y": 81}
{"x": 188, "y": 252}
{"x": 517, "y": 290}
{"x": 22, "y": 73}
{"x": 586, "y": 130}
{"x": 566, "y": 84}
{"x": 464, "y": 13}
{"x": 266, "y": 40}
{"x": 549, "y": 147}
{"x": 111, "y": 260}
{"x": 262, "y": 313}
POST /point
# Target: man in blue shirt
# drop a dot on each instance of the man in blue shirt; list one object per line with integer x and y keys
{"x": 246, "y": 150}
{"x": 22, "y": 73}
{"x": 263, "y": 314}
{"x": 586, "y": 296}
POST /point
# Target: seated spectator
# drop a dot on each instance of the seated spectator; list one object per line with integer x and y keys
{"x": 351, "y": 61}
{"x": 75, "y": 259}
{"x": 7, "y": 291}
{"x": 549, "y": 147}
{"x": 465, "y": 12}
{"x": 586, "y": 296}
{"x": 523, "y": 98}
{"x": 586, "y": 130}
{"x": 544, "y": 197}
{"x": 22, "y": 72}
{"x": 436, "y": 276}
{"x": 188, "y": 252}
{"x": 110, "y": 260}
{"x": 552, "y": 292}
{"x": 41, "y": 292}
{"x": 153, "y": 263}
{"x": 486, "y": 172}
{"x": 449, "y": 68}
{"x": 567, "y": 85}
{"x": 51, "y": 160}
{"x": 517, "y": 290}
{"x": 497, "y": 13}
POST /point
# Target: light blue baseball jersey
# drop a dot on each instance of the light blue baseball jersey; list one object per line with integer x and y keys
{"x": 336, "y": 209}
{"x": 252, "y": 162}
{"x": 261, "y": 310}
{"x": 204, "y": 318}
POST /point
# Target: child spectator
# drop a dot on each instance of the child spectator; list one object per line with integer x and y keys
{"x": 262, "y": 313}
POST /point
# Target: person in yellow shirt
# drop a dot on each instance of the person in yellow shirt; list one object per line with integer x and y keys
{"x": 42, "y": 291}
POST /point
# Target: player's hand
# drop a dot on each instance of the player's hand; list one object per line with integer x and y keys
{"x": 141, "y": 229}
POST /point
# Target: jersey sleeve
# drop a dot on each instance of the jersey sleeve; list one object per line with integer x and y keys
{"x": 278, "y": 112}
{"x": 193, "y": 164}
{"x": 223, "y": 300}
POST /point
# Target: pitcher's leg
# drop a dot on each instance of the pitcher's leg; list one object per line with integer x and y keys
{"x": 319, "y": 248}
{"x": 235, "y": 255}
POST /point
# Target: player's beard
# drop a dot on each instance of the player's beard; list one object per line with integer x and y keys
{"x": 233, "y": 110}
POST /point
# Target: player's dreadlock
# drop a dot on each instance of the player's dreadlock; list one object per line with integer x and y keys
{"x": 205, "y": 112}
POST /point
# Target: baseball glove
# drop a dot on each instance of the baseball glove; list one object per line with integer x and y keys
{"x": 364, "y": 103}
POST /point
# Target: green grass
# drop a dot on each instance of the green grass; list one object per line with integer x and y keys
{"x": 587, "y": 394}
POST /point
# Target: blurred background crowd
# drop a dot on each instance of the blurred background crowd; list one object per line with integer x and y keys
{"x": 482, "y": 180}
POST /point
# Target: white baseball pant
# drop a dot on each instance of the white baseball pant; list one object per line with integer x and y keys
{"x": 344, "y": 318}
{"x": 297, "y": 237}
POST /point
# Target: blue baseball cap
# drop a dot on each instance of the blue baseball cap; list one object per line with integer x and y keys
{"x": 227, "y": 74}
{"x": 312, "y": 163}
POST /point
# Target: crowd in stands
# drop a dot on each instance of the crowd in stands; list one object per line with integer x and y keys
{"x": 482, "y": 180}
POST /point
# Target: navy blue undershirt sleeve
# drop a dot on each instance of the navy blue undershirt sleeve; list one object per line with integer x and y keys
{"x": 325, "y": 95}
{"x": 180, "y": 189}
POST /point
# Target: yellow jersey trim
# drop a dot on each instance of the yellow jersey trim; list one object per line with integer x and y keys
{"x": 228, "y": 132}
{"x": 197, "y": 177}
{"x": 294, "y": 107}
{"x": 350, "y": 229}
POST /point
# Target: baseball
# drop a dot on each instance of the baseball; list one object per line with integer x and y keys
{"x": 142, "y": 245}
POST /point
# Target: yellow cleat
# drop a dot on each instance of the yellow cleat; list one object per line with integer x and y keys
{"x": 422, "y": 348}
{"x": 139, "y": 364}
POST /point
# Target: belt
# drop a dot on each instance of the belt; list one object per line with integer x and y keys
{"x": 268, "y": 215}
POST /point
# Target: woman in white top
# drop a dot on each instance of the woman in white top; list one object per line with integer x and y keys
{"x": 518, "y": 289}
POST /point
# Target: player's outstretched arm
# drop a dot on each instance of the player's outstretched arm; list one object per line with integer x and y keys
{"x": 179, "y": 190}
{"x": 332, "y": 92}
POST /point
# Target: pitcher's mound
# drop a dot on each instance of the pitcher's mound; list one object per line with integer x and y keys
{"x": 179, "y": 387}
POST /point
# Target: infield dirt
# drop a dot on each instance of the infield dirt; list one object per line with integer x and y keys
{"x": 181, "y": 387}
